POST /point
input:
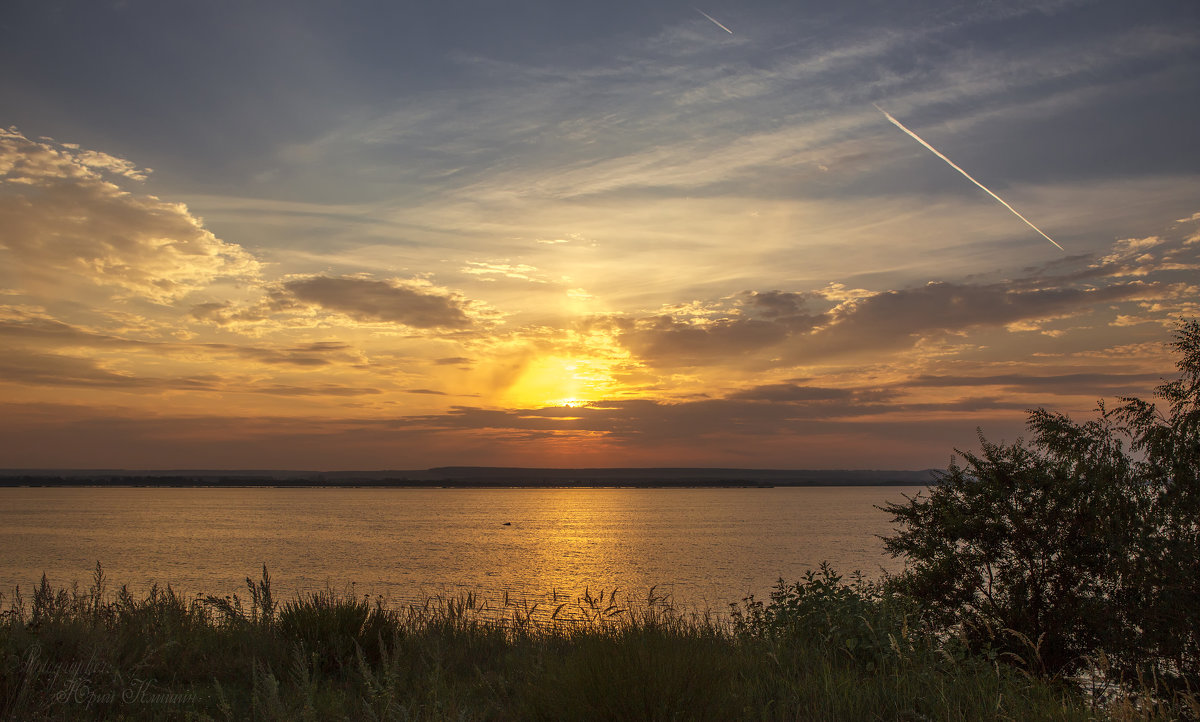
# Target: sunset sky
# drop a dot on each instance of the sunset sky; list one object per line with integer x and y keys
{"x": 384, "y": 235}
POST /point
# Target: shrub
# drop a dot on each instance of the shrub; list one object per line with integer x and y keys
{"x": 858, "y": 620}
{"x": 1083, "y": 543}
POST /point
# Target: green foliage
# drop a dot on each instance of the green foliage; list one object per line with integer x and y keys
{"x": 1082, "y": 544}
{"x": 860, "y": 620}
{"x": 335, "y": 629}
{"x": 164, "y": 656}
{"x": 1164, "y": 576}
{"x": 639, "y": 671}
{"x": 854, "y": 650}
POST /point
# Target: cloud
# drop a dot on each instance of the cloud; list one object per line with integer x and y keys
{"x": 568, "y": 238}
{"x": 696, "y": 334}
{"x": 651, "y": 424}
{"x": 40, "y": 369}
{"x": 29, "y": 162}
{"x": 60, "y": 215}
{"x": 519, "y": 271}
{"x": 658, "y": 116}
{"x": 863, "y": 322}
{"x": 43, "y": 332}
{"x": 670, "y": 341}
{"x": 777, "y": 304}
{"x": 793, "y": 392}
{"x": 368, "y": 300}
{"x": 898, "y": 319}
{"x": 314, "y": 390}
{"x": 1061, "y": 384}
{"x": 27, "y": 368}
{"x": 111, "y": 437}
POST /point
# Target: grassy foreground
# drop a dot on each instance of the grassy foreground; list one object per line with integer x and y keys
{"x": 821, "y": 649}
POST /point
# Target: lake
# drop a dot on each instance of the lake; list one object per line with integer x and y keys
{"x": 703, "y": 547}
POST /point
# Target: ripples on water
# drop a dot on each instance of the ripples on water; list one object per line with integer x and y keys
{"x": 702, "y": 547}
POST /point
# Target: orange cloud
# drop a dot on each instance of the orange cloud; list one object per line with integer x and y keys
{"x": 61, "y": 217}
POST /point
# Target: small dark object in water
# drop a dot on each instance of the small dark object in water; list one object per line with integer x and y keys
{"x": 507, "y": 523}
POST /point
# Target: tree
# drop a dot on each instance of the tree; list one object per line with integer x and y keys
{"x": 1166, "y": 575}
{"x": 1084, "y": 540}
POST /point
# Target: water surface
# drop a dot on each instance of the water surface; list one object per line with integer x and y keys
{"x": 705, "y": 547}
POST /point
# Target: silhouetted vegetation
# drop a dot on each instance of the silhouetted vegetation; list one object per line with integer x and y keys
{"x": 1077, "y": 552}
{"x": 820, "y": 649}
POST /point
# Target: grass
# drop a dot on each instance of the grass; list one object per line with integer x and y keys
{"x": 821, "y": 649}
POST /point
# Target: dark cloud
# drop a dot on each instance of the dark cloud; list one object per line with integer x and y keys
{"x": 321, "y": 353}
{"x": 53, "y": 332}
{"x": 950, "y": 307}
{"x": 764, "y": 411}
{"x": 48, "y": 332}
{"x": 788, "y": 392}
{"x": 42, "y": 369}
{"x": 426, "y": 391}
{"x": 898, "y": 319}
{"x": 211, "y": 311}
{"x": 368, "y": 300}
{"x": 792, "y": 392}
{"x": 315, "y": 390}
{"x": 776, "y": 322}
{"x": 225, "y": 313}
{"x": 1080, "y": 383}
{"x": 756, "y": 321}
{"x": 782, "y": 306}
{"x": 454, "y": 361}
{"x": 30, "y": 434}
{"x": 39, "y": 369}
{"x": 664, "y": 339}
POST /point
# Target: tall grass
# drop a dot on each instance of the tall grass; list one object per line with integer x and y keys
{"x": 819, "y": 649}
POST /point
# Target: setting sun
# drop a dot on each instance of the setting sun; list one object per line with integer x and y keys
{"x": 561, "y": 381}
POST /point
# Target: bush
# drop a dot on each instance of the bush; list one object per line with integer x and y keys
{"x": 857, "y": 620}
{"x": 1082, "y": 544}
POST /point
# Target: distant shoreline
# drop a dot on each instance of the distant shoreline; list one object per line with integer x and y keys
{"x": 238, "y": 484}
{"x": 469, "y": 478}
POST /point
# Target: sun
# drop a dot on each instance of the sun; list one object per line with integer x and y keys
{"x": 556, "y": 380}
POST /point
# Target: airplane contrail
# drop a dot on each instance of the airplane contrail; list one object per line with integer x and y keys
{"x": 987, "y": 190}
{"x": 714, "y": 20}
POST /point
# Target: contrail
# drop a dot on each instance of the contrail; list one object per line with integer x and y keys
{"x": 935, "y": 151}
{"x": 714, "y": 20}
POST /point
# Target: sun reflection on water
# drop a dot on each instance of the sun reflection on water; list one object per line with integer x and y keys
{"x": 705, "y": 547}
